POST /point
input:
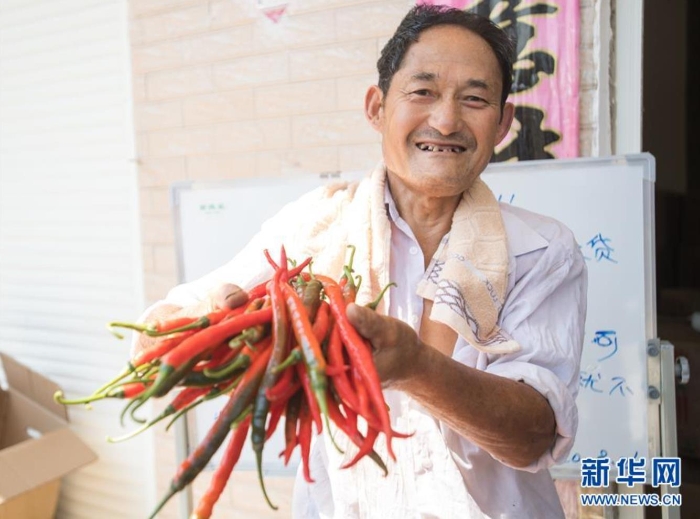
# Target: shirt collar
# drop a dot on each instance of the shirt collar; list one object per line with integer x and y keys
{"x": 522, "y": 238}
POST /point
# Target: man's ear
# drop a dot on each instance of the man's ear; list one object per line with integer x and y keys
{"x": 373, "y": 107}
{"x": 506, "y": 120}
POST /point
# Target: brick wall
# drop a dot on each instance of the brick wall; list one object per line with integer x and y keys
{"x": 221, "y": 91}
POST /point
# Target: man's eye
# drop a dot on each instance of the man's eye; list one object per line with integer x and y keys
{"x": 422, "y": 92}
{"x": 474, "y": 100}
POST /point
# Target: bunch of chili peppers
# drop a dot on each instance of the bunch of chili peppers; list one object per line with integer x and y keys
{"x": 290, "y": 353}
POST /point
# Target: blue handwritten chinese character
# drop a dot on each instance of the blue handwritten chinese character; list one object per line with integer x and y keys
{"x": 666, "y": 471}
{"x": 631, "y": 471}
{"x": 621, "y": 386}
{"x": 600, "y": 247}
{"x": 510, "y": 201}
{"x": 606, "y": 339}
{"x": 595, "y": 472}
{"x": 587, "y": 380}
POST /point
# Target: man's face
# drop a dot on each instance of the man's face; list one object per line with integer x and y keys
{"x": 441, "y": 117}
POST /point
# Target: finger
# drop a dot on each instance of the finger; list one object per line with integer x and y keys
{"x": 229, "y": 296}
{"x": 369, "y": 324}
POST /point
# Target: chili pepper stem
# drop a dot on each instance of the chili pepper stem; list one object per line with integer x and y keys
{"x": 182, "y": 412}
{"x": 124, "y": 373}
{"x": 133, "y": 433}
{"x": 171, "y": 492}
{"x": 294, "y": 357}
{"x": 151, "y": 331}
{"x": 258, "y": 462}
{"x": 331, "y": 436}
{"x": 137, "y": 402}
{"x": 374, "y": 304}
{"x": 141, "y": 328}
{"x": 238, "y": 363}
{"x": 58, "y": 398}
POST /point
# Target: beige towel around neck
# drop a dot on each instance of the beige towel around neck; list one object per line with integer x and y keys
{"x": 467, "y": 277}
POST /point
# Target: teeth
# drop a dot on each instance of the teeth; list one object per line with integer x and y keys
{"x": 427, "y": 147}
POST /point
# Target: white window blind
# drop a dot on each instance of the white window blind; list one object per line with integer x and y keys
{"x": 70, "y": 257}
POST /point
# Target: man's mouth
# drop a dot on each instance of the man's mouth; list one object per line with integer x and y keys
{"x": 450, "y": 148}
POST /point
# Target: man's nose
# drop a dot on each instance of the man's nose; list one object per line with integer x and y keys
{"x": 446, "y": 116}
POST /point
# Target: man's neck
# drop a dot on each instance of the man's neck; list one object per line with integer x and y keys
{"x": 429, "y": 218}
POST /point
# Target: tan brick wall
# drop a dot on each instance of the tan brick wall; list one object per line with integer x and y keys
{"x": 220, "y": 91}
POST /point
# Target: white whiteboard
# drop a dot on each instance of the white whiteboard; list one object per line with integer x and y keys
{"x": 607, "y": 203}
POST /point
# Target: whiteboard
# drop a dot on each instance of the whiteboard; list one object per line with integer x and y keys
{"x": 606, "y": 202}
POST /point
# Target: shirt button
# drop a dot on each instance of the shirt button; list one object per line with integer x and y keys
{"x": 413, "y": 250}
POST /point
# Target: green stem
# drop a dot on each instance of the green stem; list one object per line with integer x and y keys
{"x": 171, "y": 492}
{"x": 243, "y": 338}
{"x": 294, "y": 357}
{"x": 108, "y": 385}
{"x": 127, "y": 407}
{"x": 242, "y": 361}
{"x": 133, "y": 433}
{"x": 149, "y": 330}
{"x": 58, "y": 398}
{"x": 374, "y": 304}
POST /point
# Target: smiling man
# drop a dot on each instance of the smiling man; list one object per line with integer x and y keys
{"x": 478, "y": 348}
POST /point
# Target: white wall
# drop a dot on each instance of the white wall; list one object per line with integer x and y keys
{"x": 70, "y": 257}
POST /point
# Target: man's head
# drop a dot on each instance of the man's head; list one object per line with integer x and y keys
{"x": 440, "y": 103}
{"x": 423, "y": 17}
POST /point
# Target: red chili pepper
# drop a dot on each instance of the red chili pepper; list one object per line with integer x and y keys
{"x": 291, "y": 421}
{"x": 305, "y": 438}
{"x": 261, "y": 289}
{"x": 159, "y": 349}
{"x": 352, "y": 433}
{"x": 237, "y": 403}
{"x": 310, "y": 347}
{"x": 311, "y": 299}
{"x": 221, "y": 475}
{"x": 360, "y": 354}
{"x": 210, "y": 337}
{"x": 276, "y": 412}
{"x": 174, "y": 365}
{"x": 341, "y": 381}
{"x": 321, "y": 324}
{"x": 280, "y": 345}
{"x": 314, "y": 408}
{"x": 285, "y": 387}
{"x": 365, "y": 449}
{"x": 175, "y": 324}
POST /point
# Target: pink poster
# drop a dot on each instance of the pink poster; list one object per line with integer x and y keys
{"x": 546, "y": 82}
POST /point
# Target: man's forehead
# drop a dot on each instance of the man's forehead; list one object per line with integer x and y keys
{"x": 447, "y": 46}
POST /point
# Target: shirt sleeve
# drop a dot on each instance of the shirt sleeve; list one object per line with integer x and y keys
{"x": 545, "y": 313}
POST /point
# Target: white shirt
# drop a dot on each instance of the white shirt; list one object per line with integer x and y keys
{"x": 438, "y": 473}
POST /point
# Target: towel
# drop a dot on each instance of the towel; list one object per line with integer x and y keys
{"x": 468, "y": 275}
{"x": 466, "y": 279}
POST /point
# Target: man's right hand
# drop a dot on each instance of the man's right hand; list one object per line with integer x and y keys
{"x": 225, "y": 296}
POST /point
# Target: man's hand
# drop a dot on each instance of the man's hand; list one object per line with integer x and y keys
{"x": 394, "y": 342}
{"x": 225, "y": 296}
{"x": 509, "y": 419}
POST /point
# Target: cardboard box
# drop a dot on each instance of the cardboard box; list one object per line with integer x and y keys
{"x": 37, "y": 447}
